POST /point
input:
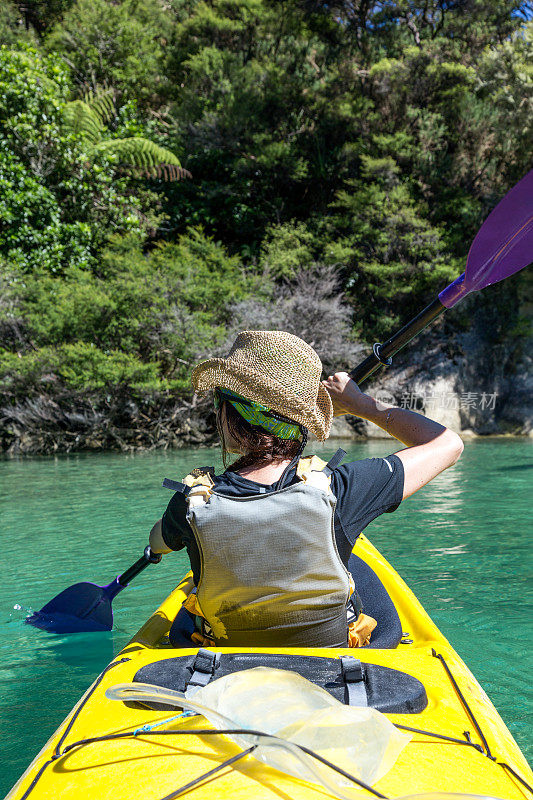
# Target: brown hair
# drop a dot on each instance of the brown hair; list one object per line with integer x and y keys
{"x": 259, "y": 446}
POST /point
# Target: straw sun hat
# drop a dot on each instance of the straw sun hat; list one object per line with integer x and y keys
{"x": 276, "y": 369}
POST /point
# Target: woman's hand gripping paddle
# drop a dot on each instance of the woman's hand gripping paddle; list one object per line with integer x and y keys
{"x": 86, "y": 607}
{"x": 503, "y": 246}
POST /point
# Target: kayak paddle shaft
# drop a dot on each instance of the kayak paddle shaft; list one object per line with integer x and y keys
{"x": 382, "y": 353}
{"x": 147, "y": 558}
{"x": 502, "y": 246}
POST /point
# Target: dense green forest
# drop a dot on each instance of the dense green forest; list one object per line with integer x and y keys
{"x": 174, "y": 170}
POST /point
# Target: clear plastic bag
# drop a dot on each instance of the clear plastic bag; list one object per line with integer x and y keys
{"x": 360, "y": 741}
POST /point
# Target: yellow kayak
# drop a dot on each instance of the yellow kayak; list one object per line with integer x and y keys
{"x": 459, "y": 742}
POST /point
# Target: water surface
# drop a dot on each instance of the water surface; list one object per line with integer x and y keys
{"x": 462, "y": 544}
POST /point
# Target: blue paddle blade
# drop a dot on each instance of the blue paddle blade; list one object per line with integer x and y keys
{"x": 83, "y": 607}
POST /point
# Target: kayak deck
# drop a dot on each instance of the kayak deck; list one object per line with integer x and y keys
{"x": 468, "y": 757}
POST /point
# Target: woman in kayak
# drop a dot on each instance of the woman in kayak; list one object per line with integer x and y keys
{"x": 270, "y": 539}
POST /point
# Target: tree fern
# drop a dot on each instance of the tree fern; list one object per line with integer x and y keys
{"x": 82, "y": 120}
{"x": 102, "y": 102}
{"x": 88, "y": 118}
{"x": 152, "y": 159}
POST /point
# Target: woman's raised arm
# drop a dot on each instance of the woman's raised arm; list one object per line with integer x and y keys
{"x": 431, "y": 448}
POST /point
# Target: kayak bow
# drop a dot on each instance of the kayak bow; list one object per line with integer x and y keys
{"x": 459, "y": 742}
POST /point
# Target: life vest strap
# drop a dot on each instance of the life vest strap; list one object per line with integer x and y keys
{"x": 176, "y": 486}
{"x": 200, "y": 476}
{"x": 198, "y": 494}
{"x": 334, "y": 461}
{"x": 204, "y": 476}
{"x": 315, "y": 472}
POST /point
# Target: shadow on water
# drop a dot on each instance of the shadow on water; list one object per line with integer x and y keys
{"x": 60, "y": 660}
{"x": 95, "y": 648}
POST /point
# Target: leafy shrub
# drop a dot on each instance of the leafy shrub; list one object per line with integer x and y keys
{"x": 141, "y": 319}
{"x": 287, "y": 248}
{"x": 311, "y": 306}
{"x": 119, "y": 45}
{"x": 77, "y": 366}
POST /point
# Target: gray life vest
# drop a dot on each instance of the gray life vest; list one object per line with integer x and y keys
{"x": 271, "y": 574}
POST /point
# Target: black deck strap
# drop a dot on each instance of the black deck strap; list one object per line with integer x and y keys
{"x": 354, "y": 680}
{"x": 204, "y": 667}
{"x": 78, "y": 709}
{"x": 462, "y": 698}
{"x": 210, "y": 731}
{"x": 516, "y": 775}
{"x": 467, "y": 743}
{"x": 176, "y": 486}
{"x": 334, "y": 461}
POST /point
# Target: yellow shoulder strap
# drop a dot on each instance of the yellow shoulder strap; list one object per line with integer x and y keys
{"x": 203, "y": 476}
{"x": 201, "y": 482}
{"x": 310, "y": 470}
{"x": 310, "y": 464}
{"x": 200, "y": 476}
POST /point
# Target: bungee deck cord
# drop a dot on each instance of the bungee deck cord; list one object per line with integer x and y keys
{"x": 147, "y": 731}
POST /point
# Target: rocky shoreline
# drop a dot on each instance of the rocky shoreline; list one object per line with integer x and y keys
{"x": 191, "y": 430}
{"x": 473, "y": 380}
{"x": 474, "y": 395}
{"x": 72, "y": 422}
{"x": 481, "y": 405}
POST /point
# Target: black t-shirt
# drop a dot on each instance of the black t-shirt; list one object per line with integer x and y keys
{"x": 364, "y": 490}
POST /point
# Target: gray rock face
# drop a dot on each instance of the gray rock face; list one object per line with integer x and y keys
{"x": 475, "y": 381}
{"x": 341, "y": 429}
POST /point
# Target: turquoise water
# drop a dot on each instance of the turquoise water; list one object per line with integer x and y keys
{"x": 462, "y": 544}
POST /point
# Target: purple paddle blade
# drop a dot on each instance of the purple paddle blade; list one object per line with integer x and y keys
{"x": 503, "y": 245}
{"x": 83, "y": 607}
